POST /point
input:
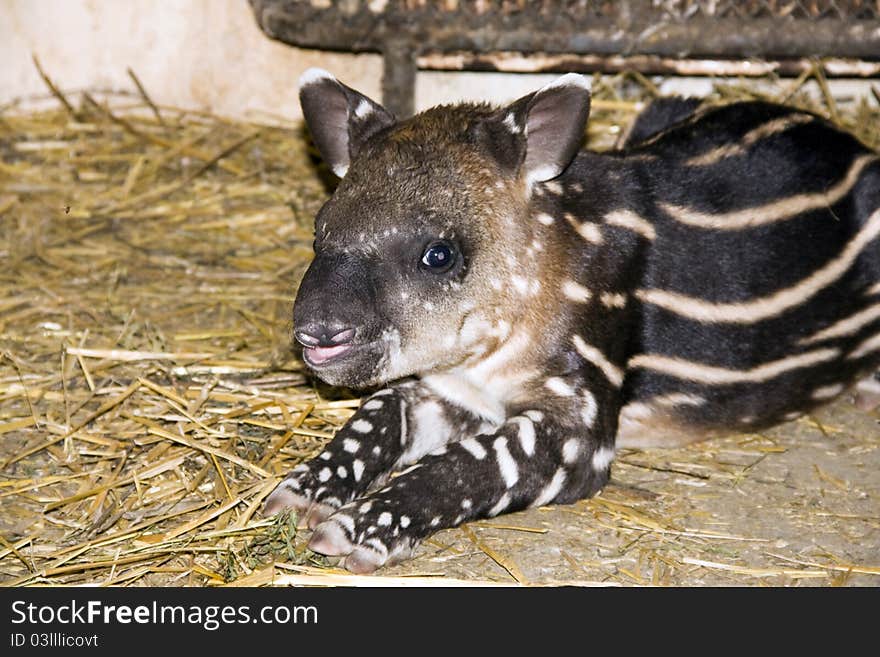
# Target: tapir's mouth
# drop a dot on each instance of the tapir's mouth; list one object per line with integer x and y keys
{"x": 318, "y": 356}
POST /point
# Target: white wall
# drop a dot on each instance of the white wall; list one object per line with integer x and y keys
{"x": 210, "y": 55}
{"x": 202, "y": 54}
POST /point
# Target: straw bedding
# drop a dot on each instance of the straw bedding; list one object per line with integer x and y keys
{"x": 150, "y": 398}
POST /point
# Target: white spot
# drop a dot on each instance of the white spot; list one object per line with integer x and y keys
{"x": 428, "y": 306}
{"x": 377, "y": 450}
{"x": 342, "y": 472}
{"x": 324, "y": 456}
{"x": 551, "y": 490}
{"x": 373, "y": 405}
{"x": 612, "y": 300}
{"x": 384, "y": 519}
{"x": 589, "y": 409}
{"x": 500, "y": 505}
{"x": 545, "y": 219}
{"x": 361, "y": 426}
{"x": 506, "y": 464}
{"x": 358, "y": 469}
{"x": 365, "y": 507}
{"x": 510, "y": 122}
{"x": 570, "y": 450}
{"x": 794, "y": 415}
{"x": 588, "y": 230}
{"x": 534, "y": 416}
{"x": 350, "y": 445}
{"x": 556, "y": 385}
{"x": 466, "y": 504}
{"x": 552, "y": 187}
{"x": 575, "y": 291}
{"x": 435, "y": 521}
{"x": 602, "y": 458}
{"x": 324, "y": 474}
{"x": 520, "y": 284}
{"x": 526, "y": 434}
{"x": 363, "y": 109}
{"x": 404, "y": 521}
{"x": 473, "y": 446}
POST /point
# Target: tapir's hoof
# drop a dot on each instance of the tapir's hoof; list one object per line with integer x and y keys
{"x": 330, "y": 539}
{"x": 309, "y": 514}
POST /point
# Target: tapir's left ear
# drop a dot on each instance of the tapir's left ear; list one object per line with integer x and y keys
{"x": 549, "y": 124}
{"x": 340, "y": 119}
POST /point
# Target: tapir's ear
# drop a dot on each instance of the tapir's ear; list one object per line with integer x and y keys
{"x": 340, "y": 119}
{"x": 551, "y": 123}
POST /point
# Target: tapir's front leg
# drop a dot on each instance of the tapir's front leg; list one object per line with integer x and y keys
{"x": 392, "y": 428}
{"x": 558, "y": 449}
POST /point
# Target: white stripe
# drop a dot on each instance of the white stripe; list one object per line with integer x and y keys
{"x": 570, "y": 450}
{"x": 865, "y": 347}
{"x": 526, "y": 434}
{"x": 500, "y": 505}
{"x": 560, "y": 387}
{"x": 551, "y": 490}
{"x": 749, "y": 312}
{"x": 786, "y": 208}
{"x": 602, "y": 458}
{"x": 827, "y": 392}
{"x": 473, "y": 446}
{"x": 506, "y": 464}
{"x": 631, "y": 221}
{"x": 768, "y": 129}
{"x": 597, "y": 358}
{"x": 846, "y": 326}
{"x": 589, "y": 409}
{"x": 874, "y": 289}
{"x": 702, "y": 373}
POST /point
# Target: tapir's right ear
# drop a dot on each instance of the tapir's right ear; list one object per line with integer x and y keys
{"x": 340, "y": 119}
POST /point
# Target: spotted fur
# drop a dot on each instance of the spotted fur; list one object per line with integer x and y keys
{"x": 718, "y": 273}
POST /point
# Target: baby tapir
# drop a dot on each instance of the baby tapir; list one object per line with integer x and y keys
{"x": 539, "y": 305}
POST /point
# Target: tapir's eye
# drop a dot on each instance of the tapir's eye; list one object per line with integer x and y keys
{"x": 438, "y": 257}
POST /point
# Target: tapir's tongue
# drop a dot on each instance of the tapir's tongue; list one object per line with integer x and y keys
{"x": 318, "y": 355}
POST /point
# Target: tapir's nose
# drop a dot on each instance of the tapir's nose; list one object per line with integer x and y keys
{"x": 335, "y": 303}
{"x": 317, "y": 334}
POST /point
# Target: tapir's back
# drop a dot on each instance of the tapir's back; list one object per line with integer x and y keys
{"x": 759, "y": 294}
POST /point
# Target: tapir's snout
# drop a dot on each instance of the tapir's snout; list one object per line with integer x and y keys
{"x": 335, "y": 318}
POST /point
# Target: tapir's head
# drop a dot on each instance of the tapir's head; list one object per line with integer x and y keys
{"x": 419, "y": 254}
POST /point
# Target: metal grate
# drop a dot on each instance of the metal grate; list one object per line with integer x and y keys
{"x": 795, "y": 9}
{"x": 404, "y": 30}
